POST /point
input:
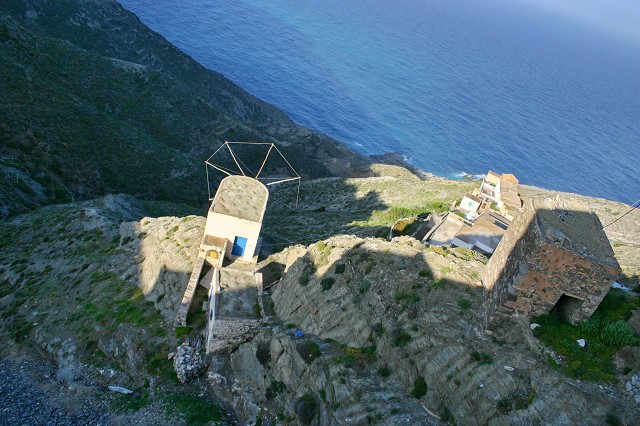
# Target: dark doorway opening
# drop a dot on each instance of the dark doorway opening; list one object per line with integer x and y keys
{"x": 568, "y": 308}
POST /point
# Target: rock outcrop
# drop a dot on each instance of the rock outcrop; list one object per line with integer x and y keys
{"x": 360, "y": 330}
{"x": 414, "y": 323}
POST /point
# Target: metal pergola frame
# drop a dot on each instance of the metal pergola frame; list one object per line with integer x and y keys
{"x": 229, "y": 172}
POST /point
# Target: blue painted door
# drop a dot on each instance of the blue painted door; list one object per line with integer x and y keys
{"x": 239, "y": 244}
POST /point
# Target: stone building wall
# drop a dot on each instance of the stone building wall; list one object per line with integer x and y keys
{"x": 528, "y": 275}
{"x": 508, "y": 260}
{"x": 553, "y": 271}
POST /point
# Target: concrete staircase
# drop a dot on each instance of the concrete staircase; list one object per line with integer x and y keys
{"x": 181, "y": 317}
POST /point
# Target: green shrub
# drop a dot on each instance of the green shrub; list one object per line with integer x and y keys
{"x": 20, "y": 329}
{"x": 409, "y": 298}
{"x": 263, "y": 353}
{"x": 618, "y": 334}
{"x": 340, "y": 268}
{"x": 447, "y": 416}
{"x": 274, "y": 389}
{"x": 363, "y": 286}
{"x": 406, "y": 226}
{"x": 465, "y": 253}
{"x": 324, "y": 251}
{"x": 618, "y": 305}
{"x": 327, "y": 283}
{"x": 306, "y": 409}
{"x": 360, "y": 357}
{"x": 400, "y": 338}
{"x": 523, "y": 401}
{"x": 613, "y": 420}
{"x": 305, "y": 276}
{"x": 605, "y": 333}
{"x": 384, "y": 371}
{"x": 419, "y": 388}
{"x": 308, "y": 350}
{"x": 182, "y": 331}
{"x": 464, "y": 303}
{"x": 481, "y": 357}
{"x": 369, "y": 267}
{"x": 504, "y": 405}
{"x": 378, "y": 329}
{"x": 425, "y": 273}
{"x": 197, "y": 411}
{"x": 439, "y": 283}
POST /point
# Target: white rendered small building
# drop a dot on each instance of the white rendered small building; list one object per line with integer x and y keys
{"x": 232, "y": 231}
{"x": 231, "y": 242}
{"x": 236, "y": 215}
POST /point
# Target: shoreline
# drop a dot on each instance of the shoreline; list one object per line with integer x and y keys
{"x": 394, "y": 158}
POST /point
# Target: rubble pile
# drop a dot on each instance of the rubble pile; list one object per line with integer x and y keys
{"x": 633, "y": 387}
{"x": 188, "y": 363}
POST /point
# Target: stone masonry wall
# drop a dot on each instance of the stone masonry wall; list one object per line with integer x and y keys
{"x": 527, "y": 275}
{"x": 230, "y": 332}
{"x": 553, "y": 271}
{"x": 507, "y": 262}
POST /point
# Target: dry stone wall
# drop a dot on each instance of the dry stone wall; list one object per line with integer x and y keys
{"x": 528, "y": 275}
{"x": 229, "y": 332}
{"x": 507, "y": 262}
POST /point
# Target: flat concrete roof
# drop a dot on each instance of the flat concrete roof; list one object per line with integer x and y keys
{"x": 238, "y": 294}
{"x": 242, "y": 197}
{"x": 492, "y": 177}
{"x": 446, "y": 230}
{"x": 487, "y": 229}
{"x": 473, "y": 197}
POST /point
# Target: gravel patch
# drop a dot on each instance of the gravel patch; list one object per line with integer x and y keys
{"x": 31, "y": 396}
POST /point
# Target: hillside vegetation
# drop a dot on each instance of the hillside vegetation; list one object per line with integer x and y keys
{"x": 93, "y": 102}
{"x": 389, "y": 332}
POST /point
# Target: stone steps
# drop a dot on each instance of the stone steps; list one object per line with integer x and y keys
{"x": 181, "y": 317}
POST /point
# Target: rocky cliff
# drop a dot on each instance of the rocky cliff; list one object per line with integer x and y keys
{"x": 393, "y": 331}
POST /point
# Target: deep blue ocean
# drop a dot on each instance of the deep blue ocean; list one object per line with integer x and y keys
{"x": 456, "y": 86}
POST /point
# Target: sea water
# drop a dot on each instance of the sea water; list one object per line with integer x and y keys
{"x": 457, "y": 86}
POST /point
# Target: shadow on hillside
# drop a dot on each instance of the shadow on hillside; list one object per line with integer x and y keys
{"x": 324, "y": 208}
{"x": 395, "y": 280}
{"x": 419, "y": 309}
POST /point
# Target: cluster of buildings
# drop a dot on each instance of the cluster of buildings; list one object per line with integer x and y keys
{"x": 481, "y": 219}
{"x": 554, "y": 255}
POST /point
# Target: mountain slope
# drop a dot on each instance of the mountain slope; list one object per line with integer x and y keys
{"x": 95, "y": 287}
{"x": 95, "y": 101}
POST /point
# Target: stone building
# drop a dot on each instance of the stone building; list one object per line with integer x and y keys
{"x": 236, "y": 215}
{"x": 501, "y": 189}
{"x": 232, "y": 231}
{"x": 554, "y": 256}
